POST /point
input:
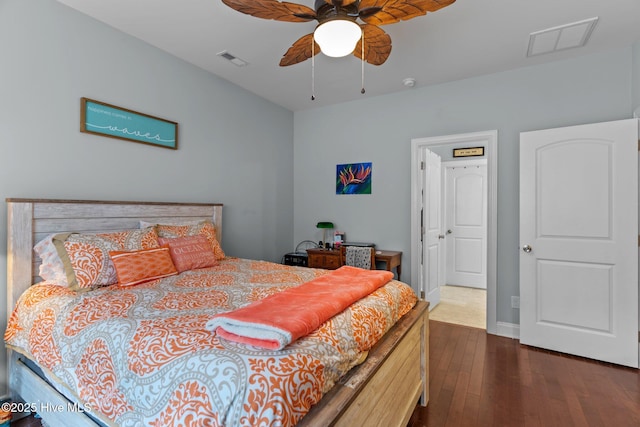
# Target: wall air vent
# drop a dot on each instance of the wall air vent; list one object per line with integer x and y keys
{"x": 232, "y": 58}
{"x": 562, "y": 37}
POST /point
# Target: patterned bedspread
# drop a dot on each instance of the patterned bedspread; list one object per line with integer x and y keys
{"x": 142, "y": 355}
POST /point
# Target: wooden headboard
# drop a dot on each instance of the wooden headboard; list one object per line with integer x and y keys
{"x": 30, "y": 220}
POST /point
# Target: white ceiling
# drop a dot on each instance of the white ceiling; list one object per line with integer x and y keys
{"x": 466, "y": 39}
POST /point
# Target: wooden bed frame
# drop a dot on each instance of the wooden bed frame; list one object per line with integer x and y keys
{"x": 382, "y": 391}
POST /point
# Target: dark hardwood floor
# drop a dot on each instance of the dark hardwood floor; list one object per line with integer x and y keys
{"x": 485, "y": 380}
{"x": 27, "y": 422}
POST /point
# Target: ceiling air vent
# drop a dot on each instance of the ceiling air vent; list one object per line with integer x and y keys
{"x": 562, "y": 37}
{"x": 233, "y": 59}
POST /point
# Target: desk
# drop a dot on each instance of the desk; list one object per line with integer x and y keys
{"x": 392, "y": 259}
{"x": 330, "y": 259}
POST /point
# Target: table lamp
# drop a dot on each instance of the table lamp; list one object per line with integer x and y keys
{"x": 324, "y": 225}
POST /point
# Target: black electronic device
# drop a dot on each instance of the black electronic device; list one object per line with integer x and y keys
{"x": 296, "y": 258}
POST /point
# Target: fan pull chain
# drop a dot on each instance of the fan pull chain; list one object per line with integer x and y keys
{"x": 313, "y": 69}
{"x": 362, "y": 58}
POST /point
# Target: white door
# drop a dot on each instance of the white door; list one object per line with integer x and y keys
{"x": 579, "y": 240}
{"x": 466, "y": 223}
{"x": 432, "y": 226}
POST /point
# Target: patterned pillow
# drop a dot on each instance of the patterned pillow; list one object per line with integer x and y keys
{"x": 86, "y": 256}
{"x": 135, "y": 267}
{"x": 191, "y": 252}
{"x": 52, "y": 268}
{"x": 206, "y": 228}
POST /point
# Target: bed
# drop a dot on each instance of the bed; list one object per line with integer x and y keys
{"x": 383, "y": 390}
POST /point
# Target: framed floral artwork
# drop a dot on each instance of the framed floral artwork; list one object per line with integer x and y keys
{"x": 353, "y": 178}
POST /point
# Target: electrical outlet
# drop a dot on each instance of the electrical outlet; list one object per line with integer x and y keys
{"x": 515, "y": 302}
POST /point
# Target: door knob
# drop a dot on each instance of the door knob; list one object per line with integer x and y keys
{"x": 449, "y": 231}
{"x": 527, "y": 248}
{"x": 440, "y": 236}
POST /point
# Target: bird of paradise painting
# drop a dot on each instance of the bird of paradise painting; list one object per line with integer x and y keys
{"x": 353, "y": 178}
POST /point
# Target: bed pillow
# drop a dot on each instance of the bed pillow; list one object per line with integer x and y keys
{"x": 135, "y": 267}
{"x": 205, "y": 228}
{"x": 86, "y": 256}
{"x": 51, "y": 269}
{"x": 191, "y": 252}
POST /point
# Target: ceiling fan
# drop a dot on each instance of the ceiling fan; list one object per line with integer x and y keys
{"x": 337, "y": 22}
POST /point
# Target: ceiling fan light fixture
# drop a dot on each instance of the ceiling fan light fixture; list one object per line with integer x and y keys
{"x": 337, "y": 37}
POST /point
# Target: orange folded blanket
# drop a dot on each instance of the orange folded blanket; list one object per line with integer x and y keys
{"x": 280, "y": 319}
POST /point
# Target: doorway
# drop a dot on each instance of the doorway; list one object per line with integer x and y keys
{"x": 422, "y": 258}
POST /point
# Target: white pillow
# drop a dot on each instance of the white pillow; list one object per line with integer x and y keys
{"x": 52, "y": 268}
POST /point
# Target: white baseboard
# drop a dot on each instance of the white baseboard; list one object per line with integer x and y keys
{"x": 509, "y": 330}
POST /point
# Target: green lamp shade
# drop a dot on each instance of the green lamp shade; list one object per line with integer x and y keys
{"x": 324, "y": 224}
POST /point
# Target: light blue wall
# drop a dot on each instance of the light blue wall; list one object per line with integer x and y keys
{"x": 587, "y": 89}
{"x": 235, "y": 148}
{"x": 636, "y": 76}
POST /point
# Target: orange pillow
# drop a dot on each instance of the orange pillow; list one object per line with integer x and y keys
{"x": 191, "y": 252}
{"x": 141, "y": 266}
{"x": 205, "y": 228}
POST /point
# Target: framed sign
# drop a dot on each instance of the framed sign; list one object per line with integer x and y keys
{"x": 468, "y": 152}
{"x": 104, "y": 119}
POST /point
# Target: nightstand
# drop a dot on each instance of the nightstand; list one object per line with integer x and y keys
{"x": 328, "y": 259}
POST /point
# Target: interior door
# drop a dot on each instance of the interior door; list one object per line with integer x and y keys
{"x": 579, "y": 240}
{"x": 432, "y": 225}
{"x": 466, "y": 223}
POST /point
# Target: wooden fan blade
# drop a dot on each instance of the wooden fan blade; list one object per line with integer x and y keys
{"x": 273, "y": 9}
{"x": 377, "y": 45}
{"x": 393, "y": 11}
{"x": 300, "y": 51}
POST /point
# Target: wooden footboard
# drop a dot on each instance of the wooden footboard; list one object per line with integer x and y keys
{"x": 384, "y": 390}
